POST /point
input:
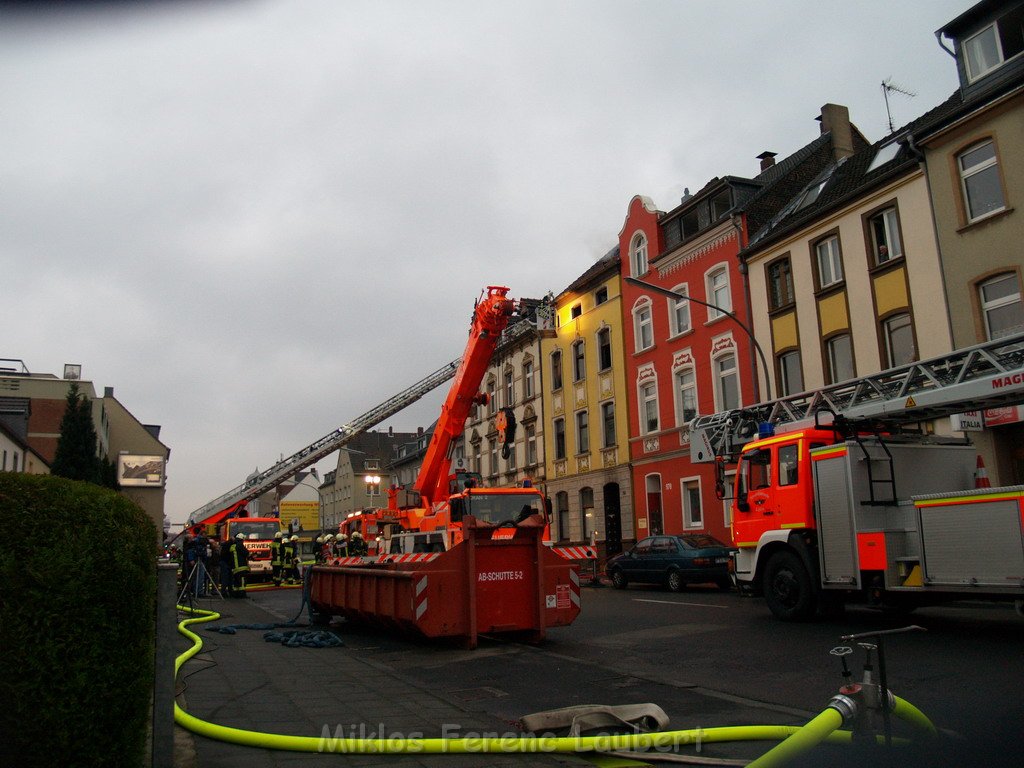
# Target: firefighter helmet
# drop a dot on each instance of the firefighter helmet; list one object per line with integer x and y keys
{"x": 329, "y": 537}
{"x": 294, "y": 538}
{"x": 356, "y": 534}
{"x": 240, "y": 536}
{"x": 278, "y": 535}
{"x": 342, "y": 537}
{"x": 320, "y": 539}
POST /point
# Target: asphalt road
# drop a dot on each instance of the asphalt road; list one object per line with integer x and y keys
{"x": 710, "y": 658}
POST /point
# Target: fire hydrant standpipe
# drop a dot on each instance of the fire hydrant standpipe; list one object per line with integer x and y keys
{"x": 525, "y": 744}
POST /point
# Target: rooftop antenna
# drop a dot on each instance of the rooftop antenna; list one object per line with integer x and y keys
{"x": 889, "y": 86}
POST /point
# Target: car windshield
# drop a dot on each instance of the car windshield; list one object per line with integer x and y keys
{"x": 701, "y": 542}
{"x": 264, "y": 529}
{"x": 498, "y": 508}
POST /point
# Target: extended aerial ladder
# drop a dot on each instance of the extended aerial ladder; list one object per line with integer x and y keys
{"x": 984, "y": 376}
{"x": 284, "y": 469}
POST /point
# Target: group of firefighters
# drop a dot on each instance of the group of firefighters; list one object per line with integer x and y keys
{"x": 329, "y": 545}
{"x": 284, "y": 558}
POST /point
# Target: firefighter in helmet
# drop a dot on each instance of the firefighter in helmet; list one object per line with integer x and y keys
{"x": 357, "y": 546}
{"x": 277, "y": 557}
{"x": 341, "y": 545}
{"x": 327, "y": 550}
{"x": 318, "y": 549}
{"x": 239, "y": 566}
{"x": 293, "y": 568}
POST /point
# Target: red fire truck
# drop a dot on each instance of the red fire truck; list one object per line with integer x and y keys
{"x": 837, "y": 498}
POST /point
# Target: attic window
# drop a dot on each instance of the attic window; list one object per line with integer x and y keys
{"x": 884, "y": 155}
{"x": 577, "y": 310}
{"x": 811, "y": 195}
{"x": 996, "y": 44}
{"x": 720, "y": 204}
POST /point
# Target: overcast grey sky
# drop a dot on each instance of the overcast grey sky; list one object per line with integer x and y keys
{"x": 257, "y": 219}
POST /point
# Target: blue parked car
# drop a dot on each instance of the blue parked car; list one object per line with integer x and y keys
{"x": 674, "y": 561}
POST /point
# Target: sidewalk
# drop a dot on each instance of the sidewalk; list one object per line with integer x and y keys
{"x": 245, "y": 682}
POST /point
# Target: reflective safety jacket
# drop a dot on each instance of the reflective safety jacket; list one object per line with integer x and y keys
{"x": 276, "y": 553}
{"x": 239, "y": 557}
{"x": 287, "y": 552}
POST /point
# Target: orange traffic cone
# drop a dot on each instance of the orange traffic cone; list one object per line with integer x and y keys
{"x": 981, "y": 475}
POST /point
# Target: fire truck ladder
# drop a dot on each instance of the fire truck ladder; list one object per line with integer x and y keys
{"x": 286, "y": 468}
{"x": 974, "y": 378}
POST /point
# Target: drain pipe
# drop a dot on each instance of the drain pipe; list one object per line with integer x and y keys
{"x": 744, "y": 271}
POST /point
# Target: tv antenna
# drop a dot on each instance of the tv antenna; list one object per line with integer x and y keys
{"x": 889, "y": 86}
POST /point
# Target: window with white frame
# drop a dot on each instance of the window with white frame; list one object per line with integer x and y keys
{"x": 839, "y": 355}
{"x": 476, "y": 458}
{"x": 608, "y": 424}
{"x": 679, "y": 311}
{"x": 649, "y": 408}
{"x": 718, "y": 293}
{"x": 556, "y": 370}
{"x": 1001, "y": 305}
{"x": 579, "y": 361}
{"x": 492, "y": 400}
{"x": 686, "y": 395}
{"x": 531, "y": 445}
{"x": 979, "y": 181}
{"x": 582, "y": 432}
{"x": 638, "y": 254}
{"x": 527, "y": 379}
{"x": 727, "y": 383}
{"x": 899, "y": 340}
{"x": 829, "y": 261}
{"x": 510, "y": 462}
{"x": 643, "y": 325}
{"x": 559, "y": 438}
{"x": 693, "y": 514}
{"x": 885, "y": 236}
{"x": 600, "y": 295}
{"x": 493, "y": 456}
{"x": 604, "y": 348}
{"x": 510, "y": 388}
{"x": 994, "y": 45}
{"x": 791, "y": 378}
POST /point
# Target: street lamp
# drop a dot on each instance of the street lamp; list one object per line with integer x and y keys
{"x": 724, "y": 311}
{"x": 372, "y": 485}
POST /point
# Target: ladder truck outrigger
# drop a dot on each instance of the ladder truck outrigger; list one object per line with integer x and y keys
{"x": 468, "y": 559}
{"x": 838, "y": 498}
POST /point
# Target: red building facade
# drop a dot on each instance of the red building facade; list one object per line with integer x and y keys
{"x": 684, "y": 358}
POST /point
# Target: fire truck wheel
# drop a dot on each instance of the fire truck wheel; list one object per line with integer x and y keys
{"x": 787, "y": 587}
{"x": 675, "y": 581}
{"x": 619, "y": 580}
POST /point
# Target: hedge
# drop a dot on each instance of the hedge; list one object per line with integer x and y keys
{"x": 77, "y": 601}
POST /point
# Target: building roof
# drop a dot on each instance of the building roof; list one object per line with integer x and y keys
{"x": 607, "y": 263}
{"x": 840, "y": 183}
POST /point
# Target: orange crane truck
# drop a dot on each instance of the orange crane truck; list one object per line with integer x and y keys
{"x": 836, "y": 500}
{"x": 467, "y": 559}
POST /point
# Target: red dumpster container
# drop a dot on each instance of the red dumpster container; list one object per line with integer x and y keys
{"x": 498, "y": 580}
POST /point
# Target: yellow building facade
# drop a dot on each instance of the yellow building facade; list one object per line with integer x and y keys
{"x": 586, "y": 433}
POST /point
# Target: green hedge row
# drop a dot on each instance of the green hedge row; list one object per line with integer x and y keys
{"x": 77, "y": 600}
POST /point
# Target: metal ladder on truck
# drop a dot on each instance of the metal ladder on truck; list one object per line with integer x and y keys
{"x": 269, "y": 479}
{"x": 971, "y": 379}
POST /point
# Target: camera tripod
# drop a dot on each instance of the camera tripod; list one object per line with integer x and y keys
{"x": 199, "y": 575}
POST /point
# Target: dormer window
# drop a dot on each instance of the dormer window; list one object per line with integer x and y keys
{"x": 993, "y": 46}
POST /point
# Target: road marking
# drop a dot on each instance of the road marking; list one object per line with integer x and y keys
{"x": 677, "y": 602}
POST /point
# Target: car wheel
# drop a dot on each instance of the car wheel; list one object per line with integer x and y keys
{"x": 675, "y": 581}
{"x": 619, "y": 580}
{"x": 787, "y": 587}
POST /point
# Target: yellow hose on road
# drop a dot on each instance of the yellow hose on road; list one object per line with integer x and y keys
{"x": 808, "y": 737}
{"x": 908, "y": 713}
{"x": 664, "y": 741}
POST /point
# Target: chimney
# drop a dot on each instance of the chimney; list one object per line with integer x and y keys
{"x": 391, "y": 431}
{"x": 108, "y": 391}
{"x": 835, "y": 119}
{"x": 419, "y": 431}
{"x": 767, "y": 159}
